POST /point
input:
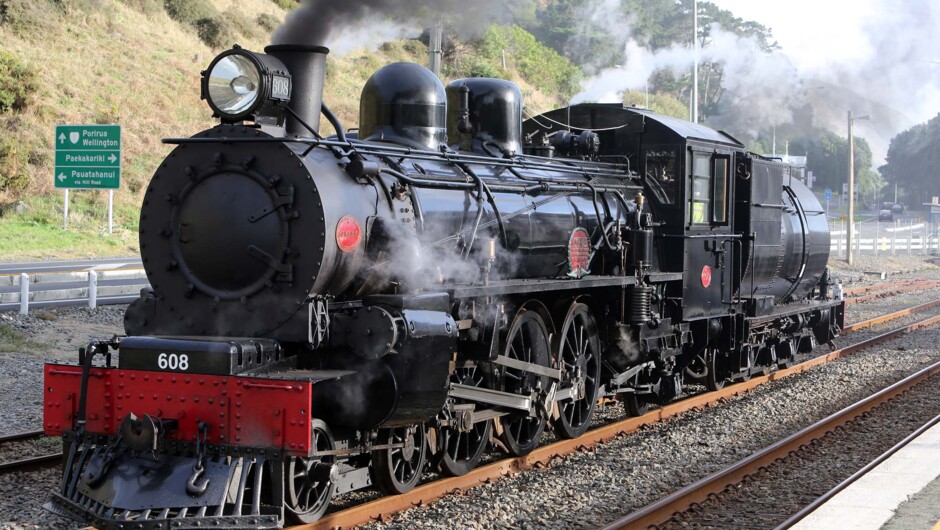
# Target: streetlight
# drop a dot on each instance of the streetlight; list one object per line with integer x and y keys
{"x": 848, "y": 255}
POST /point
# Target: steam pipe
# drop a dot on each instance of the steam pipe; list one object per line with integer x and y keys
{"x": 334, "y": 121}
{"x": 597, "y": 169}
{"x": 492, "y": 200}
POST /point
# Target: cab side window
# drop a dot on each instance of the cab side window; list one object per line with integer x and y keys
{"x": 720, "y": 190}
{"x": 708, "y": 204}
{"x": 701, "y": 178}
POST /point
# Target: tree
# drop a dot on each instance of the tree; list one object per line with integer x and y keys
{"x": 913, "y": 160}
{"x": 656, "y": 24}
{"x": 827, "y": 156}
{"x": 661, "y": 103}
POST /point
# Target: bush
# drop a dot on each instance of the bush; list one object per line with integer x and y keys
{"x": 25, "y": 16}
{"x": 538, "y": 64}
{"x": 287, "y": 4}
{"x": 147, "y": 7}
{"x": 240, "y": 23}
{"x": 17, "y": 82}
{"x": 484, "y": 69}
{"x": 190, "y": 11}
{"x": 216, "y": 32}
{"x": 268, "y": 22}
{"x": 14, "y": 157}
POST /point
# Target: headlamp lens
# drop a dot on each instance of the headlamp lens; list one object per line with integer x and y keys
{"x": 234, "y": 83}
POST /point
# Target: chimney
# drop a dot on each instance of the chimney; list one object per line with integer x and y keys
{"x": 307, "y": 66}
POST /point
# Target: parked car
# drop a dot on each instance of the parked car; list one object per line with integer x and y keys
{"x": 897, "y": 209}
{"x": 885, "y": 215}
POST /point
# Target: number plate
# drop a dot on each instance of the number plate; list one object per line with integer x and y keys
{"x": 217, "y": 357}
{"x": 280, "y": 87}
{"x": 177, "y": 361}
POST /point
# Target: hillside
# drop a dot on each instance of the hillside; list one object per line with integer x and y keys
{"x": 129, "y": 62}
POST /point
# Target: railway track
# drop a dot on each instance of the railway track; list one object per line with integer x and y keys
{"x": 382, "y": 508}
{"x": 664, "y": 510}
{"x": 864, "y": 294}
{"x": 811, "y": 507}
{"x": 27, "y": 463}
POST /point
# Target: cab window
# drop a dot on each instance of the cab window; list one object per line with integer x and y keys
{"x": 661, "y": 174}
{"x": 708, "y": 203}
{"x": 720, "y": 190}
{"x": 701, "y": 178}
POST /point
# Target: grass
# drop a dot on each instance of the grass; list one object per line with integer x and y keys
{"x": 12, "y": 341}
{"x": 39, "y": 234}
{"x": 129, "y": 63}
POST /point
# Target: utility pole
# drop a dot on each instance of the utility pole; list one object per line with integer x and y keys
{"x": 694, "y": 94}
{"x": 434, "y": 48}
{"x": 848, "y": 256}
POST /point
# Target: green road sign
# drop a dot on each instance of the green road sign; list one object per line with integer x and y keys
{"x": 88, "y": 156}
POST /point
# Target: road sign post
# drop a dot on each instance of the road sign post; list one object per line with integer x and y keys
{"x": 88, "y": 157}
{"x": 828, "y": 198}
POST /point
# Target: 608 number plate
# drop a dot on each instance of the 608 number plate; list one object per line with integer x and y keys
{"x": 173, "y": 361}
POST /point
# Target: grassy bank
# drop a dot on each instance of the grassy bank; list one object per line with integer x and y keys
{"x": 39, "y": 232}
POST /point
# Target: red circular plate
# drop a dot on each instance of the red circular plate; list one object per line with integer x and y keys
{"x": 348, "y": 234}
{"x": 706, "y": 276}
{"x": 579, "y": 251}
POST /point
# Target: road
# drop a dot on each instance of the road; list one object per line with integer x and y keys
{"x": 73, "y": 265}
{"x": 56, "y": 283}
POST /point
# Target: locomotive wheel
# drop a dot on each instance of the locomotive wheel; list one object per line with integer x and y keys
{"x": 462, "y": 451}
{"x": 578, "y": 354}
{"x": 306, "y": 498}
{"x": 527, "y": 340}
{"x": 717, "y": 376}
{"x": 396, "y": 471}
{"x": 634, "y": 405}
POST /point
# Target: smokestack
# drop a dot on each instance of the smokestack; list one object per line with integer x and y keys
{"x": 307, "y": 66}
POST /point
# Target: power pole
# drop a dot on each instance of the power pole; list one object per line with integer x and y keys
{"x": 848, "y": 256}
{"x": 695, "y": 66}
{"x": 434, "y": 47}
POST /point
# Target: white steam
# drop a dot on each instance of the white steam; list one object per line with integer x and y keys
{"x": 875, "y": 57}
{"x": 760, "y": 87}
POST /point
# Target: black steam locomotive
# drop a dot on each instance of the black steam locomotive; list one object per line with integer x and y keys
{"x": 333, "y": 313}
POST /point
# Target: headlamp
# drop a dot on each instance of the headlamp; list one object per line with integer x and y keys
{"x": 243, "y": 85}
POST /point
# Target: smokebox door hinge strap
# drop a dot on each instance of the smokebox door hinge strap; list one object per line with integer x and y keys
{"x": 286, "y": 200}
{"x": 285, "y": 270}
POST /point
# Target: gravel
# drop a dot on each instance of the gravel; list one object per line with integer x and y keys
{"x": 815, "y": 469}
{"x": 27, "y": 342}
{"x": 584, "y": 490}
{"x": 593, "y": 488}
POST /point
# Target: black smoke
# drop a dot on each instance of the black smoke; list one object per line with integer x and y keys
{"x": 318, "y": 22}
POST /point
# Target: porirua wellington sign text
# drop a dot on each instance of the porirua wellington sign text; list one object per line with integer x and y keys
{"x": 88, "y": 156}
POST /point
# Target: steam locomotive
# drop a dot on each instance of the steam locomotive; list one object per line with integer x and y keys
{"x": 330, "y": 313}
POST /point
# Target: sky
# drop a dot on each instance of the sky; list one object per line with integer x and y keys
{"x": 877, "y": 57}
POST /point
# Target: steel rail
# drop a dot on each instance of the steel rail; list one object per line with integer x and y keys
{"x": 810, "y": 508}
{"x": 25, "y": 435}
{"x": 380, "y": 509}
{"x": 889, "y": 317}
{"x": 894, "y": 290}
{"x": 880, "y": 286}
{"x": 663, "y": 510}
{"x": 30, "y": 463}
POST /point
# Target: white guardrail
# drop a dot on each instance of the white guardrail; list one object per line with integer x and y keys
{"x": 888, "y": 239}
{"x": 91, "y": 291}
